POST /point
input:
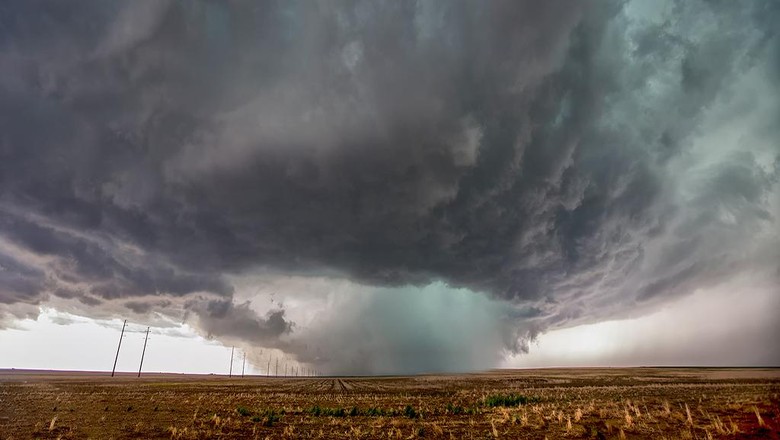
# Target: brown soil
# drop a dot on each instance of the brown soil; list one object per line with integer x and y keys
{"x": 647, "y": 403}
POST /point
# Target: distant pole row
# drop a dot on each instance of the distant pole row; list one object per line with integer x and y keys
{"x": 294, "y": 370}
{"x": 288, "y": 370}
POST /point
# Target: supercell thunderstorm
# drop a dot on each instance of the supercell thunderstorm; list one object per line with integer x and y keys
{"x": 439, "y": 182}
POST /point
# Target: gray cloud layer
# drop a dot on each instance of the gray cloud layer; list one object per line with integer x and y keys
{"x": 567, "y": 157}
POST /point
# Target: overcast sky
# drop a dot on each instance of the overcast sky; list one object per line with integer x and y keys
{"x": 390, "y": 186}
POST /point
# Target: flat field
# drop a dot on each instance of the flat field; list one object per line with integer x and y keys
{"x": 647, "y": 403}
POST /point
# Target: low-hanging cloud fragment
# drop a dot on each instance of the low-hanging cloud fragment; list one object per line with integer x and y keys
{"x": 576, "y": 162}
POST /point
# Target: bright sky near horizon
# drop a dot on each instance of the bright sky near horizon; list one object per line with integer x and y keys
{"x": 691, "y": 332}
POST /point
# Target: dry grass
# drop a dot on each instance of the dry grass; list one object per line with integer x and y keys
{"x": 758, "y": 417}
{"x": 626, "y": 403}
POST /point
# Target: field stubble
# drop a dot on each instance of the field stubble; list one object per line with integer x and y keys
{"x": 575, "y": 403}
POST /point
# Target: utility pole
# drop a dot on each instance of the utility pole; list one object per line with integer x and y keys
{"x": 143, "y": 352}
{"x": 268, "y": 368}
{"x": 277, "y": 368}
{"x": 243, "y": 366}
{"x": 230, "y": 374}
{"x": 118, "y": 347}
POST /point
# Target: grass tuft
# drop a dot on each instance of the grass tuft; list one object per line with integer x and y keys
{"x": 318, "y": 411}
{"x": 267, "y": 418}
{"x": 375, "y": 412}
{"x": 509, "y": 400}
{"x": 758, "y": 417}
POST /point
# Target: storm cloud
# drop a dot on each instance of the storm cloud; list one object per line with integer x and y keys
{"x": 564, "y": 162}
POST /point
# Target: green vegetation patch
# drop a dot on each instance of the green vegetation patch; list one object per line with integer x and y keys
{"x": 459, "y": 410}
{"x": 509, "y": 400}
{"x": 267, "y": 418}
{"x": 320, "y": 411}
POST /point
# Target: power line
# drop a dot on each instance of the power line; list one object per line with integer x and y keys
{"x": 113, "y": 370}
{"x": 230, "y": 374}
{"x": 143, "y": 352}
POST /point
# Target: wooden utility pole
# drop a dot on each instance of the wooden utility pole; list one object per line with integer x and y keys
{"x": 121, "y": 335}
{"x": 243, "y": 366}
{"x": 230, "y": 374}
{"x": 143, "y": 352}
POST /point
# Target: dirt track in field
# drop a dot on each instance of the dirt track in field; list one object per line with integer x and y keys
{"x": 646, "y": 403}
